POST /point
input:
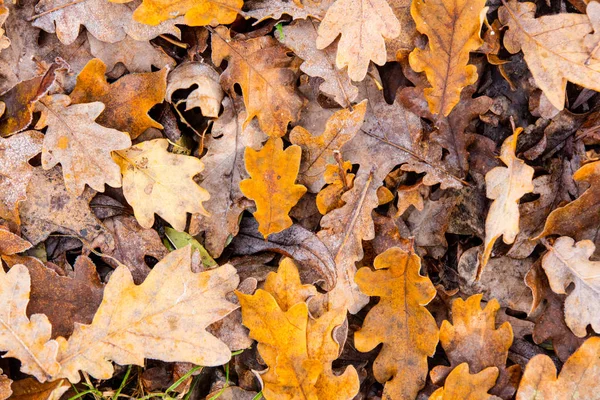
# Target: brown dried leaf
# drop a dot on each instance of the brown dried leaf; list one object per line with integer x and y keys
{"x": 31, "y": 389}
{"x": 297, "y": 9}
{"x": 10, "y": 243}
{"x": 208, "y": 95}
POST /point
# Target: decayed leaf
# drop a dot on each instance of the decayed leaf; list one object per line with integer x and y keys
{"x": 197, "y": 12}
{"x": 31, "y": 389}
{"x": 25, "y": 339}
{"x": 452, "y": 27}
{"x": 568, "y": 262}
{"x": 127, "y": 101}
{"x": 318, "y": 151}
{"x": 505, "y": 185}
{"x": 461, "y": 385}
{"x": 363, "y": 26}
{"x": 410, "y": 333}
{"x": 339, "y": 180}
{"x": 207, "y": 96}
{"x": 301, "y": 36}
{"x": 79, "y": 144}
{"x": 164, "y": 318}
{"x": 557, "y": 48}
{"x": 224, "y": 170}
{"x": 64, "y": 300}
{"x": 272, "y": 186}
{"x": 266, "y": 75}
{"x": 11, "y": 243}
{"x": 297, "y": 349}
{"x": 473, "y": 338}
{"x": 156, "y": 181}
{"x": 297, "y": 9}
{"x": 578, "y": 378}
{"x": 15, "y": 153}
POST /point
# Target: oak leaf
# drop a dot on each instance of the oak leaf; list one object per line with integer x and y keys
{"x": 472, "y": 338}
{"x": 452, "y": 27}
{"x": 318, "y": 151}
{"x": 79, "y": 144}
{"x": 127, "y": 101}
{"x": 557, "y": 48}
{"x": 273, "y": 172}
{"x": 164, "y": 318}
{"x": 156, "y": 181}
{"x": 505, "y": 185}
{"x": 4, "y": 41}
{"x": 31, "y": 389}
{"x": 578, "y": 378}
{"x": 11, "y": 243}
{"x": 208, "y": 95}
{"x": 297, "y": 349}
{"x": 410, "y": 334}
{"x": 363, "y": 26}
{"x": 15, "y": 153}
{"x": 297, "y": 9}
{"x": 266, "y": 75}
{"x": 5, "y": 382}
{"x": 339, "y": 180}
{"x": 461, "y": 385}
{"x": 197, "y": 12}
{"x": 568, "y": 262}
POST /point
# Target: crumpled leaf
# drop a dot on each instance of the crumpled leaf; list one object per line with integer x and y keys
{"x": 15, "y": 153}
{"x": 164, "y": 318}
{"x": 578, "y": 378}
{"x": 266, "y": 75}
{"x": 568, "y": 262}
{"x": 297, "y": 349}
{"x": 208, "y": 95}
{"x": 410, "y": 333}
{"x": 297, "y": 9}
{"x": 318, "y": 151}
{"x": 452, "y": 27}
{"x": 79, "y": 144}
{"x": 156, "y": 181}
{"x": 23, "y": 338}
{"x": 473, "y": 338}
{"x": 197, "y": 12}
{"x": 556, "y": 47}
{"x": 127, "y": 101}
{"x": 224, "y": 170}
{"x": 505, "y": 185}
{"x": 363, "y": 25}
{"x": 461, "y": 385}
{"x": 273, "y": 173}
{"x": 300, "y": 37}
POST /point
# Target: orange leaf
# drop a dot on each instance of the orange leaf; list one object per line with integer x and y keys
{"x": 197, "y": 12}
{"x": 460, "y": 385}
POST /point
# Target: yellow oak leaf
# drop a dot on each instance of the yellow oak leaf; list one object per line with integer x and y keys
{"x": 127, "y": 101}
{"x": 157, "y": 181}
{"x": 297, "y": 349}
{"x": 461, "y": 385}
{"x": 363, "y": 25}
{"x": 197, "y": 12}
{"x": 578, "y": 378}
{"x": 505, "y": 185}
{"x": 267, "y": 76}
{"x": 453, "y": 28}
{"x": 273, "y": 173}
{"x": 409, "y": 334}
{"x": 79, "y": 144}
{"x": 339, "y": 181}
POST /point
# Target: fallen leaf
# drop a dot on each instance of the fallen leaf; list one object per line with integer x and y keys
{"x": 339, "y": 180}
{"x": 182, "y": 239}
{"x": 4, "y": 41}
{"x": 578, "y": 378}
{"x": 297, "y": 9}
{"x": 453, "y": 28}
{"x": 164, "y": 318}
{"x": 411, "y": 334}
{"x": 273, "y": 173}
{"x": 318, "y": 151}
{"x": 127, "y": 101}
{"x": 363, "y": 26}
{"x": 80, "y": 145}
{"x": 266, "y": 75}
{"x": 156, "y": 181}
{"x": 31, "y": 389}
{"x": 505, "y": 185}
{"x": 461, "y": 385}
{"x": 197, "y": 13}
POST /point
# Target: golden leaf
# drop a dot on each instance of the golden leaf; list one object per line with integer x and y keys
{"x": 156, "y": 181}
{"x": 505, "y": 185}
{"x": 461, "y": 385}
{"x": 409, "y": 334}
{"x": 578, "y": 378}
{"x": 273, "y": 172}
{"x": 452, "y": 27}
{"x": 127, "y": 101}
{"x": 339, "y": 180}
{"x": 79, "y": 144}
{"x": 197, "y": 12}
{"x": 266, "y": 75}
{"x": 363, "y": 26}
{"x": 297, "y": 349}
